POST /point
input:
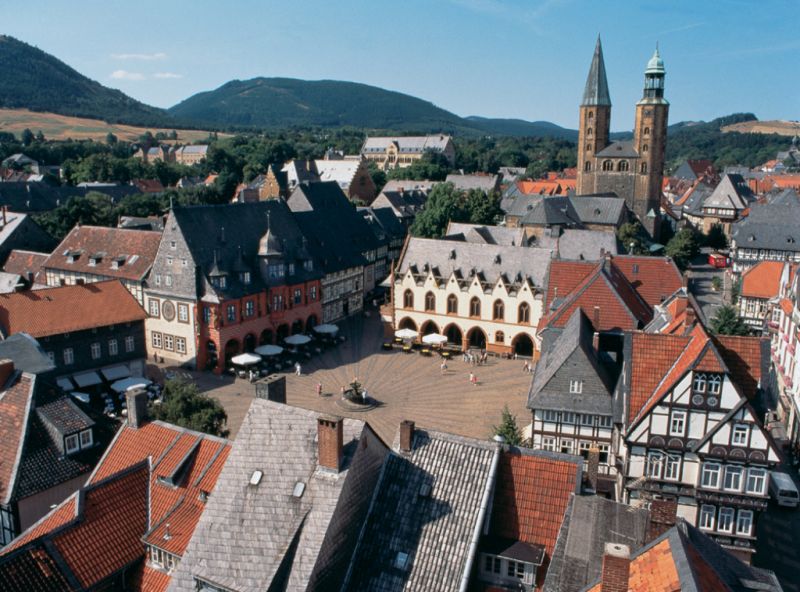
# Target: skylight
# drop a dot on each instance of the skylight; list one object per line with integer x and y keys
{"x": 299, "y": 488}
{"x": 255, "y": 478}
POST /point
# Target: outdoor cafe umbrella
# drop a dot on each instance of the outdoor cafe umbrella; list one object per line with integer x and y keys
{"x": 326, "y": 329}
{"x": 406, "y": 334}
{"x": 298, "y": 339}
{"x": 127, "y": 384}
{"x": 246, "y": 359}
{"x": 434, "y": 339}
{"x": 268, "y": 350}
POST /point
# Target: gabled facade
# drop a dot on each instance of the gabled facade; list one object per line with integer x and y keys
{"x": 768, "y": 233}
{"x": 760, "y": 287}
{"x": 401, "y": 151}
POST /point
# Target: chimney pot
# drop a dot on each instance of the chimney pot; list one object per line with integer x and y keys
{"x": 6, "y": 370}
{"x": 406, "y": 435}
{"x": 616, "y": 568}
{"x": 593, "y": 466}
{"x": 330, "y": 440}
{"x": 137, "y": 408}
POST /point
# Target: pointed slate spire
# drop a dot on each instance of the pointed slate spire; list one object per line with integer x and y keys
{"x": 596, "y": 92}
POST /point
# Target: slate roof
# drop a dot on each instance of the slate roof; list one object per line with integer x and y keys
{"x": 491, "y": 235}
{"x": 405, "y": 203}
{"x": 489, "y": 262}
{"x": 433, "y": 529}
{"x": 383, "y": 222}
{"x": 252, "y": 536}
{"x": 598, "y": 209}
{"x": 112, "y": 252}
{"x": 579, "y": 244}
{"x": 590, "y": 522}
{"x": 522, "y": 204}
{"x": 486, "y": 183}
{"x": 406, "y": 144}
{"x": 694, "y": 169}
{"x": 572, "y": 357}
{"x": 771, "y": 226}
{"x": 692, "y": 200}
{"x": 596, "y": 91}
{"x": 33, "y": 569}
{"x": 27, "y": 354}
{"x": 66, "y": 309}
{"x": 9, "y": 282}
{"x": 550, "y": 211}
{"x": 41, "y": 197}
{"x": 731, "y": 192}
{"x": 27, "y": 264}
{"x": 339, "y": 171}
{"x": 684, "y": 558}
{"x": 619, "y": 149}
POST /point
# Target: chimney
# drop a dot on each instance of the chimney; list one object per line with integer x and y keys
{"x": 689, "y": 319}
{"x": 616, "y": 568}
{"x": 406, "y": 435}
{"x": 137, "y": 408}
{"x": 663, "y": 515}
{"x": 593, "y": 467}
{"x": 273, "y": 388}
{"x": 330, "y": 442}
{"x": 6, "y": 370}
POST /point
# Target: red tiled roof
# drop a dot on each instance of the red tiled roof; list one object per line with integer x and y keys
{"x": 15, "y": 403}
{"x": 565, "y": 276}
{"x": 32, "y": 569}
{"x": 24, "y": 262}
{"x": 743, "y": 356}
{"x": 149, "y": 579}
{"x": 61, "y": 515}
{"x": 653, "y": 278}
{"x": 68, "y": 308}
{"x": 763, "y": 280}
{"x": 653, "y": 356}
{"x": 138, "y": 247}
{"x": 786, "y": 306}
{"x": 148, "y": 185}
{"x": 653, "y": 571}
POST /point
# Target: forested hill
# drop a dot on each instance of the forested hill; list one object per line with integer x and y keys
{"x": 35, "y": 80}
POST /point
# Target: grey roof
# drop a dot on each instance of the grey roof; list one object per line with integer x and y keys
{"x": 572, "y": 357}
{"x": 9, "y": 282}
{"x": 406, "y": 144}
{"x": 694, "y": 202}
{"x": 595, "y": 209}
{"x": 434, "y": 528}
{"x": 405, "y": 203}
{"x": 590, "y": 522}
{"x": 596, "y": 91}
{"x": 730, "y": 192}
{"x": 521, "y": 204}
{"x": 579, "y": 244}
{"x": 555, "y": 210}
{"x": 769, "y": 226}
{"x": 490, "y": 235}
{"x": 259, "y": 537}
{"x": 783, "y": 197}
{"x": 485, "y": 183}
{"x": 466, "y": 260}
{"x": 619, "y": 149}
{"x": 385, "y": 225}
{"x": 26, "y": 353}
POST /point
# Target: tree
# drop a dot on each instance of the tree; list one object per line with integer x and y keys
{"x": 633, "y": 238}
{"x": 186, "y": 406}
{"x": 716, "y": 238}
{"x": 508, "y": 428}
{"x": 482, "y": 208}
{"x": 683, "y": 247}
{"x": 39, "y": 136}
{"x": 443, "y": 204}
{"x": 27, "y": 137}
{"x": 728, "y": 322}
{"x": 111, "y": 139}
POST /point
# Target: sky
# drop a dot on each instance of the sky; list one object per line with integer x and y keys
{"x": 525, "y": 59}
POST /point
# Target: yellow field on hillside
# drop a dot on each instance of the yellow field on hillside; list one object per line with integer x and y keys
{"x": 783, "y": 128}
{"x": 61, "y": 127}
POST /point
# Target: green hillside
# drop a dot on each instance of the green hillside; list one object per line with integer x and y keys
{"x": 35, "y": 80}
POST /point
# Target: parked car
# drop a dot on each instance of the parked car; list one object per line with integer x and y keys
{"x": 783, "y": 489}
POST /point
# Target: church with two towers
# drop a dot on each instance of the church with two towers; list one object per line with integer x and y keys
{"x": 632, "y": 169}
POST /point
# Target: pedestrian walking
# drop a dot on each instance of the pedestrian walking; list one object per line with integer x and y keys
{"x": 319, "y": 389}
{"x": 298, "y": 370}
{"x": 443, "y": 366}
{"x": 525, "y": 367}
{"x": 473, "y": 379}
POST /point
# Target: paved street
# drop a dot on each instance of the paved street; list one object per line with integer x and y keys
{"x": 701, "y": 277}
{"x": 408, "y": 386}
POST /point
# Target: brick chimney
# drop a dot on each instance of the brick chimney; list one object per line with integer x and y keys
{"x": 6, "y": 370}
{"x": 616, "y": 568}
{"x": 593, "y": 467}
{"x": 137, "y": 408}
{"x": 663, "y": 515}
{"x": 406, "y": 435}
{"x": 330, "y": 442}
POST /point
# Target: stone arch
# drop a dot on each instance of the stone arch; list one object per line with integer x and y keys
{"x": 622, "y": 166}
{"x": 311, "y": 322}
{"x": 408, "y": 299}
{"x": 249, "y": 342}
{"x": 407, "y": 323}
{"x": 232, "y": 348}
{"x": 428, "y": 327}
{"x": 498, "y": 310}
{"x": 430, "y": 301}
{"x": 452, "y": 304}
{"x": 267, "y": 337}
{"x": 522, "y": 345}
{"x": 454, "y": 334}
{"x": 475, "y": 307}
{"x": 283, "y": 332}
{"x": 523, "y": 313}
{"x": 476, "y": 337}
{"x": 608, "y": 165}
{"x": 297, "y": 326}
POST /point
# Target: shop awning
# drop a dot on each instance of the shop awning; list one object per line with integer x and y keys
{"x": 85, "y": 379}
{"x": 65, "y": 383}
{"x": 113, "y": 373}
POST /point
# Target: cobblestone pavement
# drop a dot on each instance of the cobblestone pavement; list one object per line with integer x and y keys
{"x": 407, "y": 386}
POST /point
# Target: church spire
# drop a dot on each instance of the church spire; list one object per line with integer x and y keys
{"x": 596, "y": 92}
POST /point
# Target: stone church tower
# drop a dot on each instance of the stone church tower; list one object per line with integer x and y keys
{"x": 633, "y": 169}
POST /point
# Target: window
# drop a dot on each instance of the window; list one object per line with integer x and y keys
{"x": 710, "y": 475}
{"x": 756, "y": 480}
{"x": 298, "y": 296}
{"x": 6, "y": 526}
{"x": 655, "y": 465}
{"x": 154, "y": 308}
{"x": 744, "y": 523}
{"x": 524, "y": 313}
{"x": 576, "y": 386}
{"x": 586, "y": 419}
{"x": 245, "y": 277}
{"x": 52, "y": 356}
{"x": 96, "y": 351}
{"x": 156, "y": 337}
{"x": 113, "y": 347}
{"x": 739, "y": 436}
{"x": 180, "y": 345}
{"x": 587, "y": 166}
{"x": 277, "y": 302}
{"x": 72, "y": 444}
{"x": 733, "y": 478}
{"x": 677, "y": 423}
{"x": 590, "y": 115}
{"x": 550, "y": 415}
{"x": 699, "y": 384}
{"x": 549, "y": 443}
{"x": 608, "y": 165}
{"x": 312, "y": 293}
{"x": 86, "y": 439}
{"x": 516, "y": 569}
{"x": 430, "y": 301}
{"x": 672, "y": 469}
{"x": 206, "y": 314}
{"x": 647, "y": 131}
{"x": 714, "y": 384}
{"x": 603, "y": 453}
{"x": 169, "y": 343}
{"x": 129, "y": 344}
{"x": 499, "y": 337}
{"x": 644, "y": 167}
{"x": 498, "y": 310}
{"x": 645, "y": 147}
{"x": 69, "y": 356}
{"x": 249, "y": 308}
{"x": 605, "y": 421}
{"x": 231, "y": 313}
{"x": 567, "y": 446}
{"x": 589, "y": 132}
{"x": 491, "y": 564}
{"x": 173, "y": 244}
{"x": 725, "y": 522}
{"x": 707, "y": 514}
{"x": 475, "y": 307}
{"x": 452, "y": 304}
{"x": 183, "y": 313}
{"x": 568, "y": 417}
{"x": 622, "y": 166}
{"x": 408, "y": 299}
{"x": 583, "y": 448}
{"x": 168, "y": 279}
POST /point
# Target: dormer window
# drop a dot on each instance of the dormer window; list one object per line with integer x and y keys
{"x": 308, "y": 265}
{"x": 576, "y": 387}
{"x": 72, "y": 256}
{"x": 72, "y": 444}
{"x": 245, "y": 277}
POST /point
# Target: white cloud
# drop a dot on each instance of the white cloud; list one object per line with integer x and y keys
{"x": 139, "y": 56}
{"x": 125, "y": 75}
{"x": 165, "y": 75}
